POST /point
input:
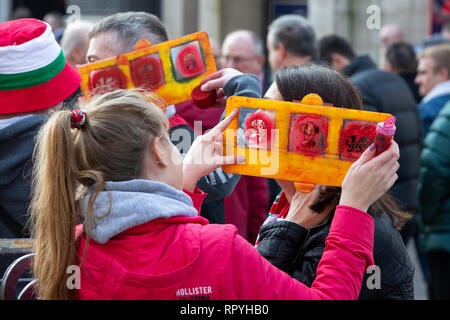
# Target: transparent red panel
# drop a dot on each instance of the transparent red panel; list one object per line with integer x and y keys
{"x": 187, "y": 61}
{"x": 107, "y": 79}
{"x": 256, "y": 128}
{"x": 147, "y": 72}
{"x": 356, "y": 137}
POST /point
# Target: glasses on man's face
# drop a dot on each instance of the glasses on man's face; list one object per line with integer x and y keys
{"x": 236, "y": 60}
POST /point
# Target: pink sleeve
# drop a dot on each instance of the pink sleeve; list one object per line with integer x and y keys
{"x": 197, "y": 198}
{"x": 348, "y": 252}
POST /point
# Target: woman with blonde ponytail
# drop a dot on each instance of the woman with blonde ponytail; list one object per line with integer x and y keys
{"x": 54, "y": 192}
{"x": 111, "y": 164}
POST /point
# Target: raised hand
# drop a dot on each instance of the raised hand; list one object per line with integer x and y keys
{"x": 370, "y": 177}
{"x": 206, "y": 154}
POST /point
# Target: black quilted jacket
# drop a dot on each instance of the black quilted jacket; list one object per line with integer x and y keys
{"x": 280, "y": 243}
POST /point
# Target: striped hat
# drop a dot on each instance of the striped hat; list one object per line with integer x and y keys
{"x": 34, "y": 74}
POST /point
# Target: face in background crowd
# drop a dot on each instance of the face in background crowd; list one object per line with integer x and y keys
{"x": 242, "y": 50}
{"x": 276, "y": 54}
{"x": 75, "y": 42}
{"x": 291, "y": 40}
{"x": 390, "y": 34}
{"x": 118, "y": 34}
{"x": 100, "y": 47}
{"x": 428, "y": 76}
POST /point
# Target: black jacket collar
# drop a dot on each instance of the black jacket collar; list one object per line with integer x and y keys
{"x": 359, "y": 64}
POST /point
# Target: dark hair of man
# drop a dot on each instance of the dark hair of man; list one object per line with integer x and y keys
{"x": 295, "y": 33}
{"x": 130, "y": 27}
{"x": 330, "y": 45}
{"x": 295, "y": 82}
{"x": 402, "y": 57}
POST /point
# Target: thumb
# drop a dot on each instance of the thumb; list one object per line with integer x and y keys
{"x": 211, "y": 85}
{"x": 212, "y": 76}
{"x": 367, "y": 155}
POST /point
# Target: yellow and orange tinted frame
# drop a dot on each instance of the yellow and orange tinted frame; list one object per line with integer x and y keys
{"x": 170, "y": 69}
{"x": 306, "y": 142}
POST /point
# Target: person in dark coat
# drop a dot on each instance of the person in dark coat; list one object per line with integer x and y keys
{"x": 383, "y": 91}
{"x": 282, "y": 242}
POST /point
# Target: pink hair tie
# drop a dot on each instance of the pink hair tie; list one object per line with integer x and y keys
{"x": 78, "y": 119}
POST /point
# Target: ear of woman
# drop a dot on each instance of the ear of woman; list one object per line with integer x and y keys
{"x": 158, "y": 153}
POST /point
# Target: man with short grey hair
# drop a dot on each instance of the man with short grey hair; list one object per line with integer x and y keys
{"x": 75, "y": 42}
{"x": 243, "y": 50}
{"x": 291, "y": 40}
{"x": 118, "y": 34}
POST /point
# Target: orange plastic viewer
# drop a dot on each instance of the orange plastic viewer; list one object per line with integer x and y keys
{"x": 170, "y": 69}
{"x": 306, "y": 142}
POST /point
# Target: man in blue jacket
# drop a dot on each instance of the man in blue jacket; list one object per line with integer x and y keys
{"x": 433, "y": 78}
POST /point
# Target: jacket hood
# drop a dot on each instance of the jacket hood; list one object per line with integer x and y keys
{"x": 359, "y": 64}
{"x": 127, "y": 204}
{"x": 16, "y": 148}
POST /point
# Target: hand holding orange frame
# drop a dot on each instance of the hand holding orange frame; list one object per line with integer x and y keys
{"x": 306, "y": 142}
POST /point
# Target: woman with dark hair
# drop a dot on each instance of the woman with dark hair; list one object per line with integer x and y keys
{"x": 297, "y": 248}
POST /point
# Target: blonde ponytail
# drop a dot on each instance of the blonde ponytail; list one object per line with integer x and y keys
{"x": 53, "y": 206}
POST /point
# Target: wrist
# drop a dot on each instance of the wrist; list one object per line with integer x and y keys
{"x": 354, "y": 203}
{"x": 189, "y": 179}
{"x": 301, "y": 221}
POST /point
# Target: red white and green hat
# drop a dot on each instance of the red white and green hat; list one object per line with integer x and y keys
{"x": 34, "y": 74}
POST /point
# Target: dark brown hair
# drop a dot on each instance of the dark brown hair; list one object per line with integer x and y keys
{"x": 402, "y": 57}
{"x": 295, "y": 82}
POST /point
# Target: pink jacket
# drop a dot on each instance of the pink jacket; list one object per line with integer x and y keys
{"x": 186, "y": 258}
